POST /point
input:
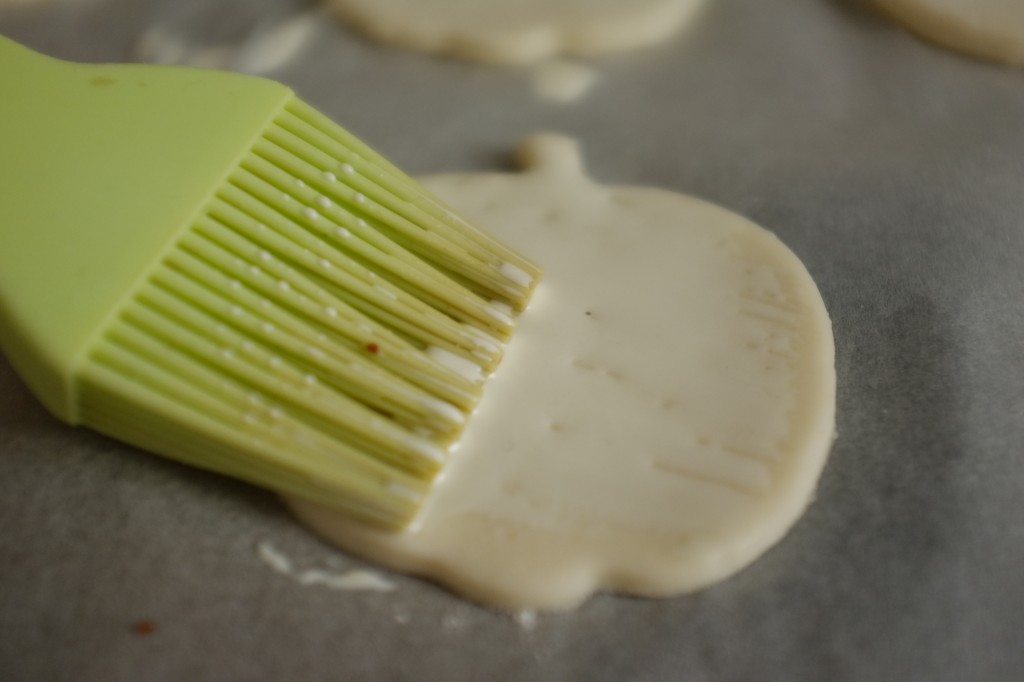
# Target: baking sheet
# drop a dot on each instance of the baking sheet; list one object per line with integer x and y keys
{"x": 893, "y": 169}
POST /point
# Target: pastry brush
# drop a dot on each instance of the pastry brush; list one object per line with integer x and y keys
{"x": 202, "y": 265}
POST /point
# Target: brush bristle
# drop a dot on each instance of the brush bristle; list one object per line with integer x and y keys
{"x": 311, "y": 331}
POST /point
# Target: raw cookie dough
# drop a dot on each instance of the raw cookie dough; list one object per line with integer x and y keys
{"x": 517, "y": 31}
{"x": 663, "y": 412}
{"x": 991, "y": 29}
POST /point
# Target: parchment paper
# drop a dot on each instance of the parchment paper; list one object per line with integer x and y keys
{"x": 895, "y": 170}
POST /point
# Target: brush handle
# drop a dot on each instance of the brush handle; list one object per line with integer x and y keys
{"x": 23, "y": 72}
{"x": 101, "y": 167}
{"x": 10, "y": 51}
{"x": 16, "y": 57}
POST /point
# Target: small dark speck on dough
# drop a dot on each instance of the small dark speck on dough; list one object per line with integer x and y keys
{"x": 102, "y": 81}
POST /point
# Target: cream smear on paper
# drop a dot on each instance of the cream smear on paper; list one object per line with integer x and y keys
{"x": 562, "y": 81}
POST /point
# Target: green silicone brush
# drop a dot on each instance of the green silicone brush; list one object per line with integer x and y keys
{"x": 200, "y": 264}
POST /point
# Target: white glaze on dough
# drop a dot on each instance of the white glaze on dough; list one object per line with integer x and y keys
{"x": 991, "y": 29}
{"x": 662, "y": 414}
{"x": 517, "y": 31}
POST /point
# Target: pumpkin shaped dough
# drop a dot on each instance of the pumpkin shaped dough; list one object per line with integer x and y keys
{"x": 662, "y": 414}
{"x": 520, "y": 31}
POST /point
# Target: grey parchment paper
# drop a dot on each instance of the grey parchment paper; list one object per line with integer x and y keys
{"x": 895, "y": 170}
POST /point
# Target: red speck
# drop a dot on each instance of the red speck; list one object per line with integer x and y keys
{"x": 373, "y": 348}
{"x": 144, "y": 627}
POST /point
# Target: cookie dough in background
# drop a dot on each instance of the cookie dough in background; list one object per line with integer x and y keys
{"x": 661, "y": 416}
{"x": 517, "y": 31}
{"x": 990, "y": 29}
{"x": 523, "y": 32}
